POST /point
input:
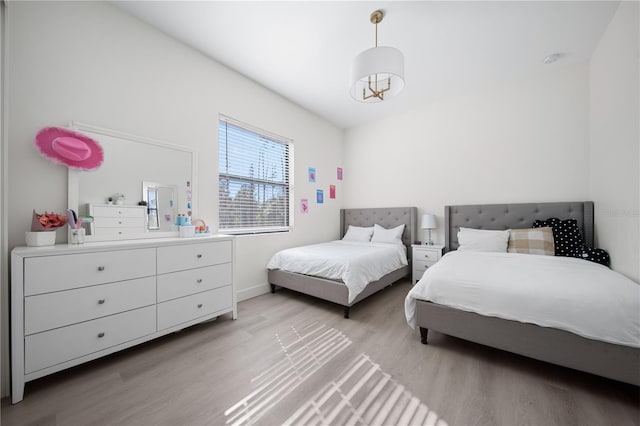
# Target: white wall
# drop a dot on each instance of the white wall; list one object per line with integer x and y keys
{"x": 614, "y": 139}
{"x": 89, "y": 62}
{"x": 522, "y": 141}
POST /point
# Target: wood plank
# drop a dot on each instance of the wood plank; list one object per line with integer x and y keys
{"x": 194, "y": 376}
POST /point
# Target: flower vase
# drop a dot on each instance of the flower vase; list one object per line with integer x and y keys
{"x": 40, "y": 239}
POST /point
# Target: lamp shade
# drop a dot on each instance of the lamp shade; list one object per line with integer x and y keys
{"x": 379, "y": 63}
{"x": 429, "y": 221}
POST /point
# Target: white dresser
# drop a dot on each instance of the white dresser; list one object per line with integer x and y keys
{"x": 424, "y": 256}
{"x": 74, "y": 303}
{"x": 111, "y": 222}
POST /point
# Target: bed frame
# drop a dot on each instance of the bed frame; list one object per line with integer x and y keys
{"x": 335, "y": 291}
{"x": 560, "y": 347}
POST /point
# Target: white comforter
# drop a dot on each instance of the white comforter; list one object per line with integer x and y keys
{"x": 570, "y": 294}
{"x": 355, "y": 263}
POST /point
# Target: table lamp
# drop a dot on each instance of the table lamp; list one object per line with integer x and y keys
{"x": 429, "y": 222}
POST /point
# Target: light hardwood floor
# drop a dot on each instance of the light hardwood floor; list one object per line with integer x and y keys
{"x": 293, "y": 359}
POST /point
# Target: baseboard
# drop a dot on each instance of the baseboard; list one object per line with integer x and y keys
{"x": 254, "y": 291}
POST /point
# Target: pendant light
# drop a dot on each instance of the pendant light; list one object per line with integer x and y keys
{"x": 377, "y": 73}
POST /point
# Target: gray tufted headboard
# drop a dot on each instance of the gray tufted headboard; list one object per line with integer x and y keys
{"x": 514, "y": 216}
{"x": 387, "y": 217}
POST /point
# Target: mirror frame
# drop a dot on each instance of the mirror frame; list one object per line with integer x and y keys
{"x": 73, "y": 181}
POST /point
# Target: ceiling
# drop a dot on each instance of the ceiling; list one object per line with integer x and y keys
{"x": 303, "y": 50}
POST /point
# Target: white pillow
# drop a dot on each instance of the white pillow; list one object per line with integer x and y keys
{"x": 357, "y": 233}
{"x": 383, "y": 235}
{"x": 483, "y": 240}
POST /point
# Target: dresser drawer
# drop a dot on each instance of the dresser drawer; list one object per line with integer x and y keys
{"x": 52, "y": 310}
{"x": 104, "y": 232}
{"x": 419, "y": 267}
{"x": 52, "y": 347}
{"x": 118, "y": 211}
{"x": 54, "y": 273}
{"x": 188, "y": 308}
{"x": 426, "y": 255}
{"x": 422, "y": 265}
{"x": 184, "y": 283}
{"x": 119, "y": 222}
{"x": 188, "y": 256}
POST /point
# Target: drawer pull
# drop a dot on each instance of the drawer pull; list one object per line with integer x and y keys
{"x": 101, "y": 334}
{"x": 199, "y": 280}
{"x": 100, "y": 268}
{"x": 119, "y": 222}
{"x": 101, "y": 301}
{"x": 426, "y": 255}
{"x": 199, "y": 305}
{"x": 199, "y": 256}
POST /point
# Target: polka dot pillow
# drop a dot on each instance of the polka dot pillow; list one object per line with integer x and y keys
{"x": 566, "y": 235}
{"x": 597, "y": 255}
{"x": 568, "y": 241}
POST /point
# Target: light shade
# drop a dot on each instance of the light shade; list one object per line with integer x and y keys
{"x": 379, "y": 63}
{"x": 429, "y": 221}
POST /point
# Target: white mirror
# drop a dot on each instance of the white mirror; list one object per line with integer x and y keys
{"x": 133, "y": 168}
{"x": 162, "y": 205}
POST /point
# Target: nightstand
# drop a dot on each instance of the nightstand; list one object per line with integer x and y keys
{"x": 424, "y": 256}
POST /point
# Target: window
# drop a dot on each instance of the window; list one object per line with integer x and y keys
{"x": 254, "y": 179}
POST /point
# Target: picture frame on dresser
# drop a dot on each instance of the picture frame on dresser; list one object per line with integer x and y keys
{"x": 72, "y": 303}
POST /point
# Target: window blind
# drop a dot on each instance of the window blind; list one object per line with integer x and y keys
{"x": 254, "y": 179}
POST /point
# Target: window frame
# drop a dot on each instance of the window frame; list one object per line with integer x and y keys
{"x": 288, "y": 185}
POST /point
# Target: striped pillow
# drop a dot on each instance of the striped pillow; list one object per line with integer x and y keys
{"x": 531, "y": 241}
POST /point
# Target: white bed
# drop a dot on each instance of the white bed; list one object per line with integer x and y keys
{"x": 564, "y": 293}
{"x": 355, "y": 263}
{"x": 571, "y": 312}
{"x": 347, "y": 283}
